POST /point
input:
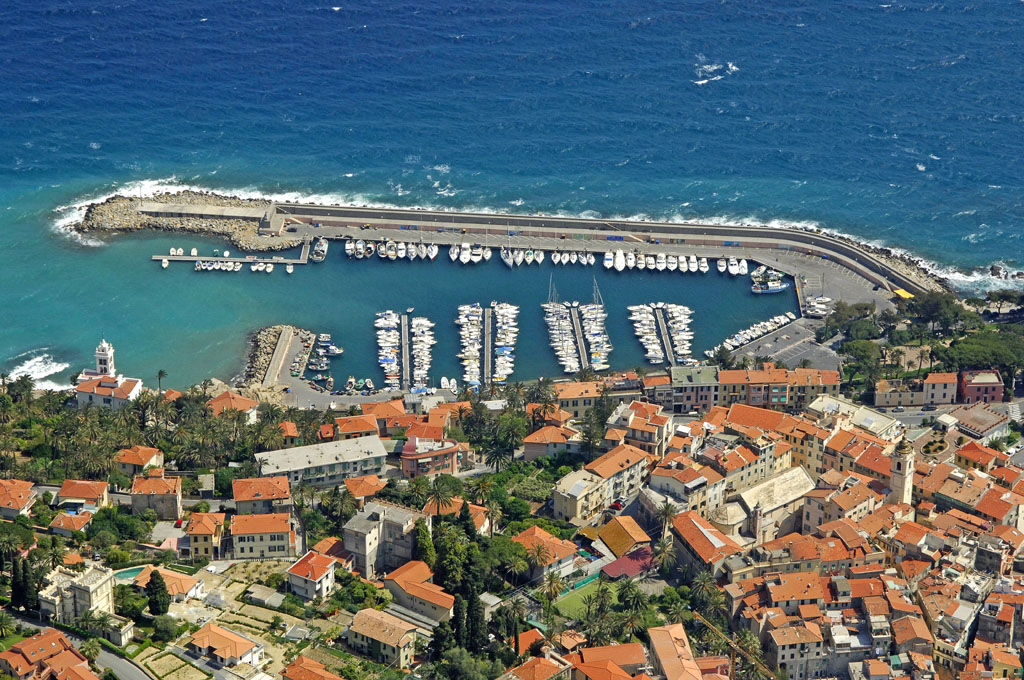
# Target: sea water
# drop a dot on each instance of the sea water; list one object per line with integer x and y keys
{"x": 896, "y": 123}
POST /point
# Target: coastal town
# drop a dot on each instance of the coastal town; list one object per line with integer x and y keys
{"x": 729, "y": 517}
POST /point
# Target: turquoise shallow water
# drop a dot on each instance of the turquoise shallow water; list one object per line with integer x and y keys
{"x": 894, "y": 122}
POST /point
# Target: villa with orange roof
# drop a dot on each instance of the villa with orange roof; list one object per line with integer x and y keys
{"x": 577, "y": 397}
{"x": 180, "y": 587}
{"x": 262, "y": 536}
{"x": 104, "y": 386}
{"x": 558, "y": 555}
{"x": 551, "y": 440}
{"x": 289, "y": 432}
{"x": 66, "y": 524}
{"x": 46, "y": 655}
{"x": 134, "y": 460}
{"x": 412, "y": 587}
{"x": 304, "y": 668}
{"x": 158, "y": 492}
{"x": 550, "y": 667}
{"x": 644, "y": 426}
{"x": 383, "y": 637}
{"x": 78, "y": 495}
{"x": 350, "y": 427}
{"x": 364, "y": 487}
{"x": 381, "y": 411}
{"x": 260, "y": 495}
{"x": 312, "y": 576}
{"x": 16, "y": 498}
{"x": 204, "y": 533}
{"x": 540, "y": 415}
{"x": 225, "y": 646}
{"x": 477, "y": 512}
{"x": 233, "y": 401}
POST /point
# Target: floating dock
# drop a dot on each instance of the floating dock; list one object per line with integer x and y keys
{"x": 406, "y": 369}
{"x": 666, "y": 338}
{"x": 303, "y": 257}
{"x": 488, "y": 347}
{"x": 577, "y": 329}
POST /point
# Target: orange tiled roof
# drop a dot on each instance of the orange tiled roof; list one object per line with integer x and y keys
{"x": 177, "y": 583}
{"x": 289, "y": 429}
{"x": 15, "y": 494}
{"x": 312, "y": 566}
{"x": 104, "y": 387}
{"x": 618, "y": 459}
{"x": 364, "y": 486}
{"x": 79, "y": 488}
{"x": 621, "y": 534}
{"x": 137, "y": 455}
{"x": 204, "y": 523}
{"x": 709, "y": 543}
{"x": 414, "y": 578}
{"x": 231, "y": 400}
{"x": 71, "y": 522}
{"x": 940, "y": 378}
{"x": 549, "y": 434}
{"x": 156, "y": 485}
{"x": 577, "y": 390}
{"x": 557, "y": 548}
{"x": 535, "y": 668}
{"x": 384, "y": 409}
{"x": 225, "y": 643}
{"x": 272, "y": 523}
{"x": 602, "y": 670}
{"x": 261, "y": 488}
{"x": 304, "y": 668}
{"x": 361, "y": 423}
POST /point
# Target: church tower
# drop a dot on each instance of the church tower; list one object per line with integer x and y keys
{"x": 902, "y": 474}
{"x": 105, "y": 359}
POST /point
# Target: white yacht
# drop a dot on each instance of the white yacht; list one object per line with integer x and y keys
{"x": 703, "y": 266}
{"x": 350, "y": 247}
{"x": 487, "y": 254}
{"x": 660, "y": 262}
{"x": 609, "y": 260}
{"x": 692, "y": 263}
{"x": 672, "y": 263}
{"x": 453, "y": 253}
{"x": 733, "y": 267}
{"x": 164, "y": 263}
{"x": 743, "y": 267}
{"x": 722, "y": 265}
{"x": 620, "y": 261}
{"x": 630, "y": 259}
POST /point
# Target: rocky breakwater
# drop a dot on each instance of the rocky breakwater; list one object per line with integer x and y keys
{"x": 121, "y": 214}
{"x": 262, "y": 344}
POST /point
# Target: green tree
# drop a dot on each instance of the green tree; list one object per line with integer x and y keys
{"x": 7, "y": 624}
{"x": 165, "y": 628}
{"x": 90, "y": 649}
{"x": 156, "y": 591}
{"x": 423, "y": 546}
{"x": 440, "y": 494}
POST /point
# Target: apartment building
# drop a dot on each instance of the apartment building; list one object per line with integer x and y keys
{"x": 776, "y": 388}
{"x": 381, "y": 537}
{"x": 579, "y": 496}
{"x": 325, "y": 464}
{"x": 312, "y": 576}
{"x": 699, "y": 546}
{"x": 262, "y": 495}
{"x": 262, "y": 536}
{"x": 577, "y": 397}
{"x": 423, "y": 457}
{"x": 980, "y": 386}
{"x": 623, "y": 470}
{"x": 641, "y": 425}
{"x": 69, "y": 594}
{"x": 688, "y": 389}
{"x": 204, "y": 533}
{"x": 154, "y": 491}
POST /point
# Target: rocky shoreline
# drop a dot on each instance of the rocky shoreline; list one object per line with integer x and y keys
{"x": 120, "y": 214}
{"x": 261, "y": 349}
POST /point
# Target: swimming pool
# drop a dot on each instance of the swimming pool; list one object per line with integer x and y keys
{"x": 128, "y": 574}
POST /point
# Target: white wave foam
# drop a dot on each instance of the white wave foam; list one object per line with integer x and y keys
{"x": 974, "y": 281}
{"x": 39, "y": 368}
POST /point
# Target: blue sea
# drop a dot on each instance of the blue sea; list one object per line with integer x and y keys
{"x": 894, "y": 123}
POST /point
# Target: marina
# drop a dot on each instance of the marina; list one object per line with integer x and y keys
{"x": 752, "y": 333}
{"x": 487, "y": 340}
{"x": 663, "y": 330}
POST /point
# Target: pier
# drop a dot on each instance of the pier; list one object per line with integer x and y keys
{"x": 303, "y": 257}
{"x": 577, "y": 329}
{"x": 406, "y": 367}
{"x": 281, "y": 354}
{"x": 488, "y": 347}
{"x": 666, "y": 338}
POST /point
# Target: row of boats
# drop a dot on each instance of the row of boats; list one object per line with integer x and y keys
{"x": 421, "y": 347}
{"x": 221, "y": 265}
{"x": 470, "y": 320}
{"x": 390, "y": 250}
{"x": 578, "y": 334}
{"x": 677, "y": 325}
{"x": 751, "y": 334}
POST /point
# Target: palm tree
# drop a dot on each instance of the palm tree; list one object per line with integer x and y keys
{"x": 553, "y": 586}
{"x": 498, "y": 458}
{"x": 703, "y": 584}
{"x": 55, "y": 555}
{"x": 160, "y": 375}
{"x": 479, "y": 489}
{"x": 679, "y": 612}
{"x": 7, "y": 623}
{"x": 440, "y": 494}
{"x": 8, "y": 546}
{"x": 90, "y": 649}
{"x": 538, "y": 555}
{"x": 715, "y": 604}
{"x": 493, "y": 516}
{"x": 663, "y": 554}
{"x": 517, "y": 608}
{"x": 87, "y": 620}
{"x": 665, "y": 512}
{"x": 419, "y": 489}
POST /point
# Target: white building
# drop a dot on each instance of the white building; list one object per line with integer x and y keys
{"x": 312, "y": 576}
{"x": 70, "y": 594}
{"x": 103, "y": 386}
{"x": 326, "y": 464}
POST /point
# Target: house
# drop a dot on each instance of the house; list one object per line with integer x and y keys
{"x": 229, "y": 401}
{"x": 549, "y": 667}
{"x": 70, "y": 594}
{"x": 643, "y": 426}
{"x": 540, "y": 415}
{"x": 412, "y": 587}
{"x": 381, "y": 537}
{"x": 78, "y": 495}
{"x": 577, "y": 397}
{"x": 304, "y": 668}
{"x": 350, "y": 427}
{"x": 980, "y": 386}
{"x": 554, "y": 554}
{"x": 623, "y": 535}
{"x": 364, "y": 487}
{"x": 383, "y": 637}
{"x": 180, "y": 587}
{"x": 699, "y": 545}
{"x": 134, "y": 460}
{"x": 225, "y": 646}
{"x": 261, "y": 495}
{"x": 980, "y": 421}
{"x": 550, "y": 440}
{"x": 623, "y": 470}
{"x": 325, "y": 464}
{"x": 157, "y": 492}
{"x": 262, "y": 536}
{"x": 477, "y": 513}
{"x": 911, "y": 634}
{"x": 204, "y": 533}
{"x": 427, "y": 457}
{"x": 289, "y": 433}
{"x": 940, "y": 388}
{"x": 65, "y": 524}
{"x": 671, "y": 654}
{"x": 312, "y": 576}
{"x": 979, "y": 457}
{"x": 935, "y": 389}
{"x": 16, "y": 498}
{"x": 104, "y": 386}
{"x": 578, "y": 496}
{"x": 47, "y": 654}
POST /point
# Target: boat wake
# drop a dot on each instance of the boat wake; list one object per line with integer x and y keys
{"x": 68, "y": 216}
{"x": 39, "y": 366}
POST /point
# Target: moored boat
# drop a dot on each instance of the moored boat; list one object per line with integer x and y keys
{"x": 722, "y": 265}
{"x": 609, "y": 260}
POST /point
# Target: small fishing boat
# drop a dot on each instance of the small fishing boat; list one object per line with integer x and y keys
{"x": 476, "y": 254}
{"x": 703, "y": 266}
{"x": 350, "y": 383}
{"x": 672, "y": 263}
{"x": 660, "y": 262}
{"x": 270, "y": 267}
{"x": 360, "y": 249}
{"x": 641, "y": 262}
{"x": 194, "y": 252}
{"x": 444, "y": 383}
{"x": 382, "y": 249}
{"x": 289, "y": 268}
{"x": 369, "y": 384}
{"x": 392, "y": 250}
{"x": 692, "y": 263}
{"x": 350, "y": 247}
{"x": 722, "y": 265}
{"x": 630, "y": 259}
{"x": 371, "y": 248}
{"x": 453, "y": 386}
{"x": 164, "y": 263}
{"x": 453, "y": 253}
{"x": 400, "y": 251}
{"x": 609, "y": 260}
{"x": 733, "y": 266}
{"x": 743, "y": 267}
{"x": 487, "y": 254}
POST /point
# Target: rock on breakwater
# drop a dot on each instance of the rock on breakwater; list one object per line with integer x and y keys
{"x": 121, "y": 214}
{"x": 261, "y": 348}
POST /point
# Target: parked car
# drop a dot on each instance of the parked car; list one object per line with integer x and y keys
{"x": 929, "y": 407}
{"x": 177, "y": 524}
{"x": 899, "y": 409}
{"x": 616, "y": 506}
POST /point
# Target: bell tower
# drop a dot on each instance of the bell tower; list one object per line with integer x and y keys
{"x": 901, "y": 472}
{"x": 105, "y": 359}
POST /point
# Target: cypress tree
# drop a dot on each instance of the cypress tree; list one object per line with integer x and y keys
{"x": 156, "y": 590}
{"x": 423, "y": 549}
{"x": 442, "y": 640}
{"x": 476, "y": 626}
{"x": 466, "y": 521}
{"x": 459, "y": 621}
{"x": 28, "y": 577}
{"x": 17, "y": 584}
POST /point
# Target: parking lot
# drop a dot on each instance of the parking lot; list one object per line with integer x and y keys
{"x": 791, "y": 345}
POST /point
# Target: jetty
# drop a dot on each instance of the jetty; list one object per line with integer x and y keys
{"x": 666, "y": 337}
{"x": 406, "y": 366}
{"x": 281, "y": 354}
{"x": 488, "y": 348}
{"x": 303, "y": 257}
{"x": 577, "y": 328}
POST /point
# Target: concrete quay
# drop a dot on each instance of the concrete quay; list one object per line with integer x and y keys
{"x": 666, "y": 338}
